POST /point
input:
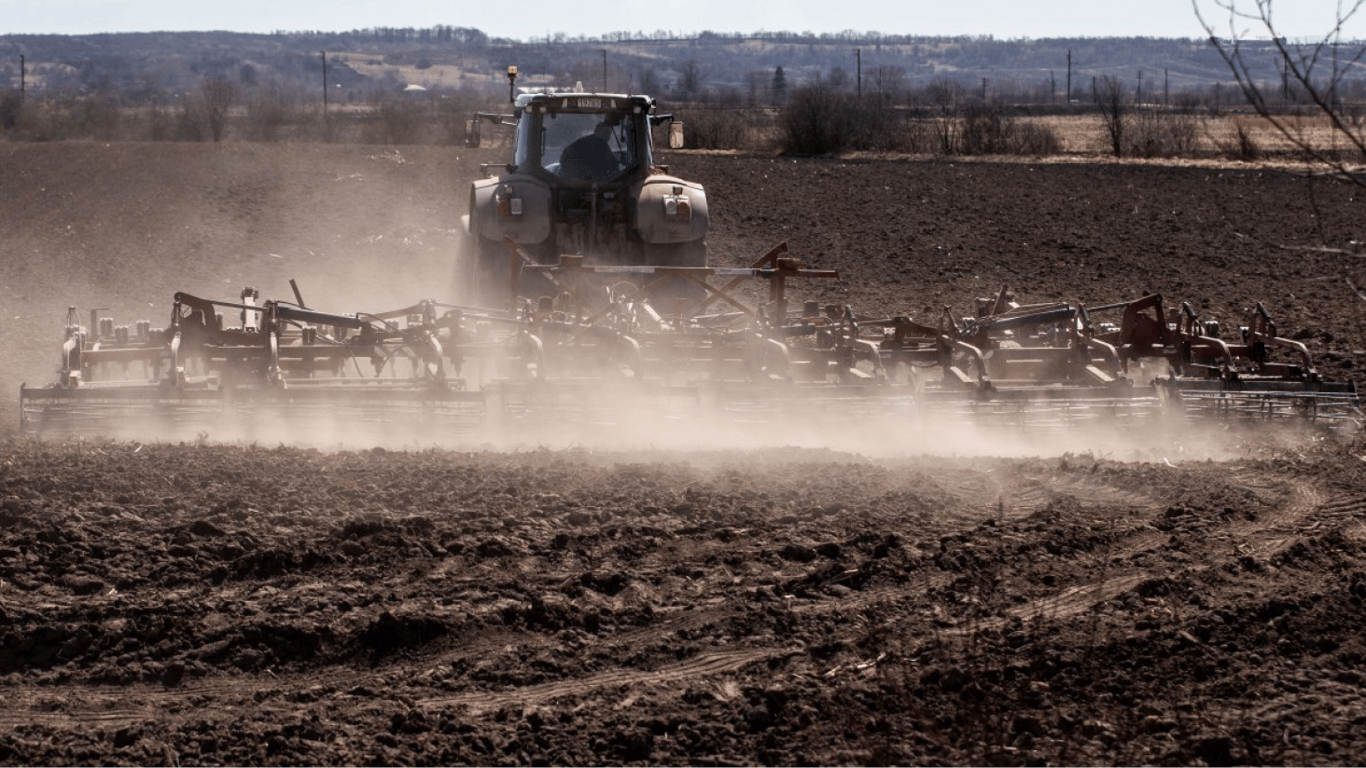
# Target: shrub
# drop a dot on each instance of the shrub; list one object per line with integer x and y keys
{"x": 1035, "y": 139}
{"x": 268, "y": 113}
{"x": 715, "y": 129}
{"x": 989, "y": 129}
{"x": 985, "y": 129}
{"x": 819, "y": 120}
{"x": 400, "y": 121}
{"x": 1183, "y": 132}
{"x": 190, "y": 122}
{"x": 66, "y": 116}
{"x": 1152, "y": 132}
{"x": 11, "y": 105}
{"x": 1241, "y": 146}
{"x": 1145, "y": 134}
{"x": 160, "y": 125}
{"x": 216, "y": 96}
{"x": 815, "y": 121}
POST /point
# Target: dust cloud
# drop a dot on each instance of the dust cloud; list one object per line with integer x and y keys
{"x": 623, "y": 419}
{"x": 600, "y": 408}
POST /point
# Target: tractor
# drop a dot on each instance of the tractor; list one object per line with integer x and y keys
{"x": 582, "y": 181}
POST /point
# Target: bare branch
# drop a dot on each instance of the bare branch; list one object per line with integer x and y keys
{"x": 1301, "y": 64}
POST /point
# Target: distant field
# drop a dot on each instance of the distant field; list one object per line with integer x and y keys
{"x": 1217, "y": 134}
{"x": 1168, "y": 136}
{"x": 434, "y": 75}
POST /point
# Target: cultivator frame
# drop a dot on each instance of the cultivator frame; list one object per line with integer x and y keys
{"x": 617, "y": 342}
{"x": 283, "y": 362}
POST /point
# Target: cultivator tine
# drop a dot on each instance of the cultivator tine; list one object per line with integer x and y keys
{"x": 1337, "y": 407}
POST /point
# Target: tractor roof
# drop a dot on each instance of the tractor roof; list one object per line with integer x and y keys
{"x": 579, "y": 101}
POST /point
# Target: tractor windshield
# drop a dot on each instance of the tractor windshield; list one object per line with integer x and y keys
{"x": 584, "y": 146}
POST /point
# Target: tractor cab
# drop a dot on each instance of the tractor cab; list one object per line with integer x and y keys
{"x": 598, "y": 138}
{"x": 582, "y": 180}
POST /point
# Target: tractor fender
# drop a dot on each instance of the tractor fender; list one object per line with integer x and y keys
{"x": 526, "y": 217}
{"x": 670, "y": 210}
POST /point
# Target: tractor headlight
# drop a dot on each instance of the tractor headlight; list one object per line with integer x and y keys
{"x": 508, "y": 204}
{"x": 677, "y": 206}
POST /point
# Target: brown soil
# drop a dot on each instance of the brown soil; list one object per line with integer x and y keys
{"x": 214, "y": 604}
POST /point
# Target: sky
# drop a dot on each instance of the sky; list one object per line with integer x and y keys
{"x": 532, "y": 19}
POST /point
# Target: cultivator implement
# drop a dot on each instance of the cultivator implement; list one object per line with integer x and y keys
{"x": 1257, "y": 376}
{"x": 283, "y": 362}
{"x": 617, "y": 344}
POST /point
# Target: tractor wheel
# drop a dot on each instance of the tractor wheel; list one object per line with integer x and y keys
{"x": 464, "y": 276}
{"x": 491, "y": 275}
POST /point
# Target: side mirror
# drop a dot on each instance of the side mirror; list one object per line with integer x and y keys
{"x": 676, "y": 134}
{"x": 472, "y": 133}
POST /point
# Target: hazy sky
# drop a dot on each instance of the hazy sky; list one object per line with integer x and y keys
{"x": 525, "y": 19}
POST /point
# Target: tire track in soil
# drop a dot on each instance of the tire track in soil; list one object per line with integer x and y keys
{"x": 1028, "y": 495}
{"x": 704, "y": 665}
{"x": 101, "y": 705}
{"x": 1298, "y": 507}
{"x": 991, "y": 494}
{"x": 1295, "y": 501}
{"x": 106, "y": 707}
{"x": 984, "y": 494}
{"x": 1348, "y": 513}
{"x": 1069, "y": 602}
{"x": 95, "y": 706}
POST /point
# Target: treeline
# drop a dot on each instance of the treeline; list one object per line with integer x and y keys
{"x": 826, "y": 117}
{"x": 797, "y": 93}
{"x": 139, "y": 62}
{"x": 459, "y": 37}
{"x": 219, "y": 109}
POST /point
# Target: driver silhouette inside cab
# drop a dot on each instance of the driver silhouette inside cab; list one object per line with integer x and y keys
{"x": 590, "y": 158}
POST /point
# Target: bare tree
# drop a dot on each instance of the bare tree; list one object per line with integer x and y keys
{"x": 1316, "y": 70}
{"x": 946, "y": 95}
{"x": 649, "y": 81}
{"x": 838, "y": 79}
{"x": 1113, "y": 102}
{"x": 217, "y": 95}
{"x": 757, "y": 87}
{"x": 691, "y": 78}
{"x": 891, "y": 83}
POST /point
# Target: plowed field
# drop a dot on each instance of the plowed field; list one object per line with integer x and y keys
{"x": 1196, "y": 597}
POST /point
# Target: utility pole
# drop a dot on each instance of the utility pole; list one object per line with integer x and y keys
{"x": 1138, "y": 94}
{"x": 1069, "y": 76}
{"x": 604, "y": 70}
{"x": 323, "y": 56}
{"x": 23, "y": 73}
{"x": 1333, "y": 84}
{"x": 858, "y": 69}
{"x": 984, "y": 90}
